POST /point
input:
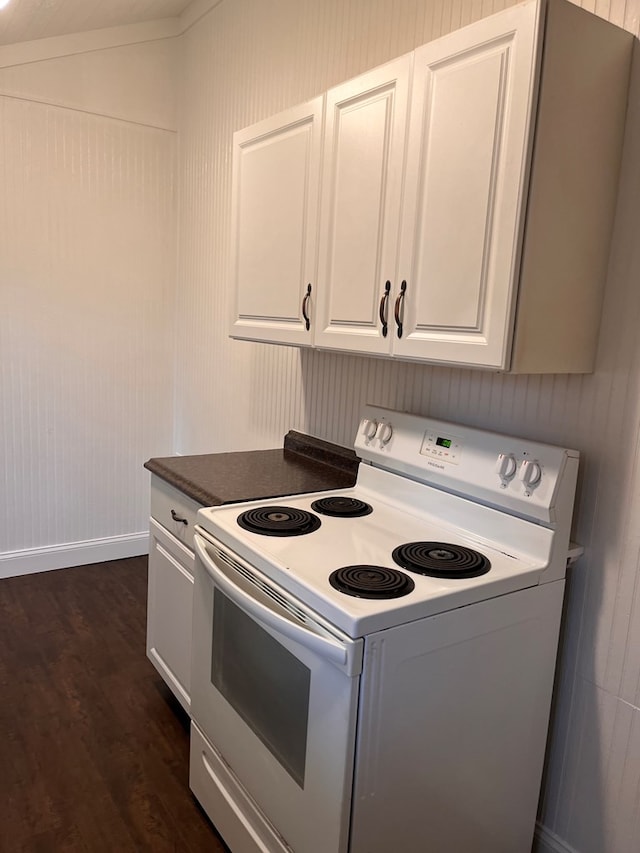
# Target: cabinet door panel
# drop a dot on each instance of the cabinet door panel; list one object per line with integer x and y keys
{"x": 362, "y": 177}
{"x": 274, "y": 224}
{"x": 467, "y": 174}
{"x": 169, "y": 611}
{"x": 458, "y": 182}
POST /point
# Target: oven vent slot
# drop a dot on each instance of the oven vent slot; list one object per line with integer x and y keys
{"x": 263, "y": 587}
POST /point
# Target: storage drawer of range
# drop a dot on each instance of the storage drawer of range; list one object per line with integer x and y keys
{"x": 173, "y": 510}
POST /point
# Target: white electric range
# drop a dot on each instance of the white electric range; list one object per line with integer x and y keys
{"x": 373, "y": 667}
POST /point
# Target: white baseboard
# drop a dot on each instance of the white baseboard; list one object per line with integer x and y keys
{"x": 548, "y": 842}
{"x": 30, "y": 560}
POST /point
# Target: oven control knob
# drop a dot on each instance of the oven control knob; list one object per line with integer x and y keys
{"x": 530, "y": 474}
{"x": 370, "y": 428}
{"x": 506, "y": 466}
{"x": 385, "y": 431}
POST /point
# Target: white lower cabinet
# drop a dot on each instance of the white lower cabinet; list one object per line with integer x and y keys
{"x": 468, "y": 191}
{"x": 170, "y": 593}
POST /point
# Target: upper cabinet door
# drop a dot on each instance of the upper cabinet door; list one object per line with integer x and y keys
{"x": 364, "y": 137}
{"x": 276, "y": 174}
{"x": 466, "y": 179}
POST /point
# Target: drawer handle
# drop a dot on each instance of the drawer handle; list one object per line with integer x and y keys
{"x": 305, "y": 308}
{"x": 176, "y": 517}
{"x": 383, "y": 308}
{"x": 400, "y": 304}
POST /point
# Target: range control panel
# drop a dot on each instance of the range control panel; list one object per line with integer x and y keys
{"x": 446, "y": 448}
{"x": 512, "y": 473}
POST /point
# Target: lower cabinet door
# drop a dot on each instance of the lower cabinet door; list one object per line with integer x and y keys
{"x": 169, "y": 611}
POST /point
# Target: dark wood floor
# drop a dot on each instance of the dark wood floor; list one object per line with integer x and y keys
{"x": 93, "y": 748}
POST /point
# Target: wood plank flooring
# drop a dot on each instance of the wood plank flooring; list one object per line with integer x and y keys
{"x": 93, "y": 747}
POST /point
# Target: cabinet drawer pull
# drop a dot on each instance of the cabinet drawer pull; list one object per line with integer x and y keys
{"x": 176, "y": 517}
{"x": 383, "y": 308}
{"x": 305, "y": 308}
{"x": 400, "y": 304}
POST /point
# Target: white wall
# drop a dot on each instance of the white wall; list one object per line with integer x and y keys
{"x": 87, "y": 264}
{"x": 246, "y": 60}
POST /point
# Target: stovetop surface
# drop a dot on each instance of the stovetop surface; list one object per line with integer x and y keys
{"x": 302, "y": 564}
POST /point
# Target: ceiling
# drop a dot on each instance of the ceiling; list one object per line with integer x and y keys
{"x": 25, "y": 20}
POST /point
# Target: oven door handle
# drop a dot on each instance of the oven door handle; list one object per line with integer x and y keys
{"x": 344, "y": 656}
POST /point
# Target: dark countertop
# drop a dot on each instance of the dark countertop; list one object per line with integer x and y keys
{"x": 304, "y": 464}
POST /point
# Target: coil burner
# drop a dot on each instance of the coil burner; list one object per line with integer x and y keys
{"x": 339, "y": 505}
{"x": 441, "y": 560}
{"x": 371, "y": 582}
{"x": 279, "y": 521}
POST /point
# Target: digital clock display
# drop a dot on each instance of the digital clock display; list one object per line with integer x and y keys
{"x": 443, "y": 442}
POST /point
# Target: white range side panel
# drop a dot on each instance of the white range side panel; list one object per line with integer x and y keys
{"x": 87, "y": 260}
{"x": 247, "y": 60}
{"x": 463, "y": 765}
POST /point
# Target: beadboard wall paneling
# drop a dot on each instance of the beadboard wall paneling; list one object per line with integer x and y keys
{"x": 87, "y": 262}
{"x": 134, "y": 82}
{"x": 42, "y": 19}
{"x": 39, "y": 50}
{"x": 246, "y": 60}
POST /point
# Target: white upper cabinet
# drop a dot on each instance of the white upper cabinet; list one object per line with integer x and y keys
{"x": 467, "y": 202}
{"x": 276, "y": 169}
{"x": 466, "y": 174}
{"x": 364, "y": 138}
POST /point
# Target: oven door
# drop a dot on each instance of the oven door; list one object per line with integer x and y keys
{"x": 275, "y": 691}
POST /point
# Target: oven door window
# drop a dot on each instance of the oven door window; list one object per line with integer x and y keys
{"x": 264, "y": 683}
